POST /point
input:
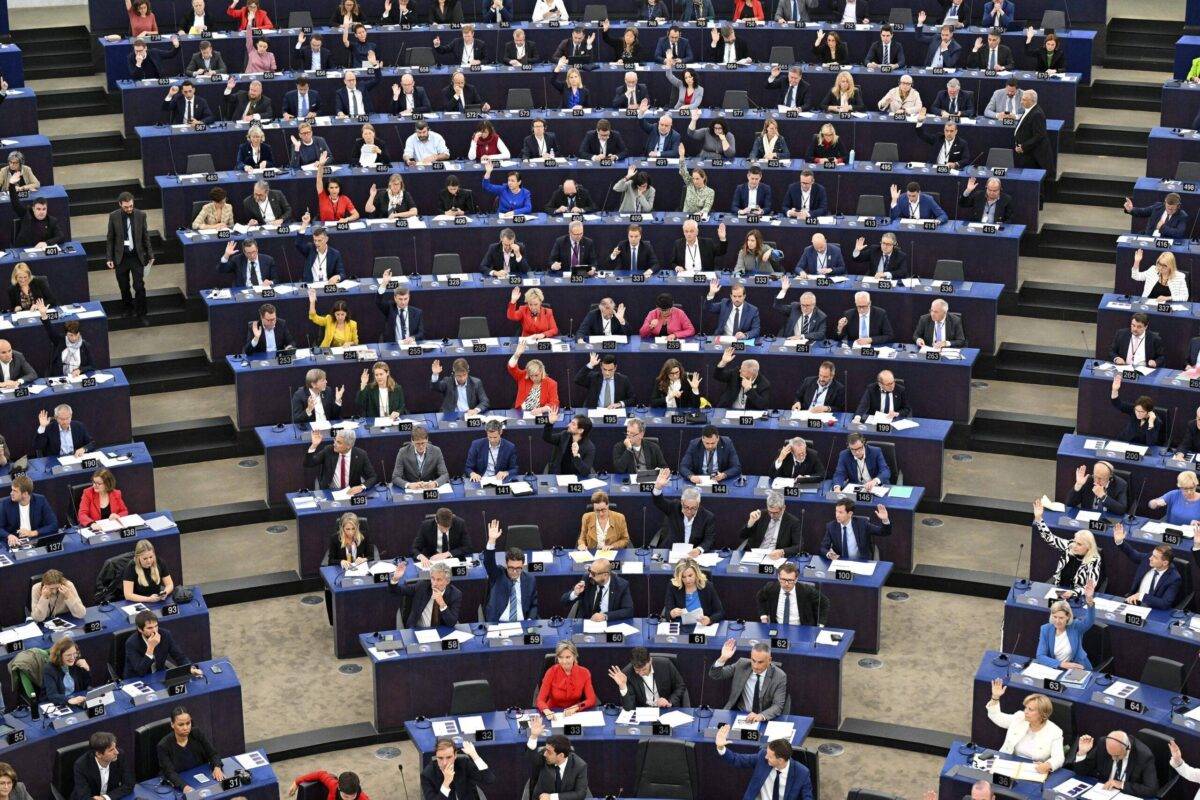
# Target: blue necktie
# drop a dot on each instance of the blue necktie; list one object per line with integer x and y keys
{"x": 775, "y": 791}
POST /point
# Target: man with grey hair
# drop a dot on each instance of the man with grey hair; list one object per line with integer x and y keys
{"x": 746, "y": 389}
{"x": 316, "y": 400}
{"x": 885, "y": 260}
{"x": 864, "y": 325}
{"x": 341, "y": 466}
{"x": 954, "y": 101}
{"x": 777, "y": 531}
{"x": 1124, "y": 764}
{"x": 266, "y": 206}
{"x": 759, "y": 687}
{"x": 939, "y": 328}
{"x": 684, "y": 521}
{"x": 993, "y": 207}
{"x": 629, "y": 94}
{"x": 435, "y": 602}
{"x": 798, "y": 462}
{"x": 804, "y": 319}
{"x": 419, "y": 464}
{"x": 574, "y": 252}
{"x": 606, "y": 319}
{"x": 63, "y": 438}
{"x": 492, "y": 456}
{"x": 634, "y": 453}
{"x": 1031, "y": 144}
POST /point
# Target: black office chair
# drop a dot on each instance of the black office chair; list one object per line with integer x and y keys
{"x": 885, "y": 151}
{"x": 811, "y": 759}
{"x": 937, "y": 196}
{"x": 421, "y": 57}
{"x": 1097, "y": 644}
{"x": 300, "y": 19}
{"x": 889, "y": 455}
{"x": 900, "y": 16}
{"x": 145, "y": 748}
{"x": 473, "y": 328}
{"x": 1124, "y": 475}
{"x": 523, "y": 537}
{"x": 1062, "y": 714}
{"x": 949, "y": 269}
{"x": 1186, "y": 593}
{"x": 116, "y": 654}
{"x": 62, "y": 781}
{"x": 783, "y": 55}
{"x": 548, "y": 661}
{"x": 666, "y": 768}
{"x": 312, "y": 790}
{"x": 447, "y": 263}
{"x": 519, "y": 99}
{"x": 200, "y": 162}
{"x": 1165, "y": 673}
{"x": 1054, "y": 20}
{"x": 1187, "y": 171}
{"x": 735, "y": 100}
{"x": 1160, "y": 747}
{"x": 76, "y": 491}
{"x": 471, "y": 697}
{"x": 870, "y": 794}
{"x": 1000, "y": 157}
{"x": 595, "y": 12}
{"x": 197, "y": 206}
{"x": 871, "y": 205}
{"x": 384, "y": 263}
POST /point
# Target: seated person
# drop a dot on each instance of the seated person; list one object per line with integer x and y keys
{"x": 340, "y": 466}
{"x": 606, "y": 319}
{"x": 408, "y": 98}
{"x": 806, "y": 198}
{"x": 939, "y": 328}
{"x": 748, "y": 388}
{"x": 101, "y": 499}
{"x": 146, "y": 579}
{"x": 25, "y": 289}
{"x": 885, "y": 396}
{"x": 419, "y": 464}
{"x": 424, "y": 146}
{"x": 821, "y": 259}
{"x": 254, "y": 153}
{"x": 902, "y": 99}
{"x": 1107, "y": 492}
{"x": 512, "y": 592}
{"x": 504, "y": 257}
{"x": 954, "y": 101}
{"x": 990, "y": 205}
{"x": 54, "y": 596}
{"x": 145, "y": 62}
{"x": 605, "y": 597}
{"x": 759, "y": 687}
{"x": 691, "y": 592}
{"x": 635, "y": 453}
{"x": 777, "y": 531}
{"x": 1144, "y": 425}
{"x": 804, "y": 319}
{"x": 511, "y": 198}
{"x": 799, "y": 462}
{"x": 915, "y": 205}
{"x": 65, "y": 437}
{"x": 25, "y": 515}
{"x": 492, "y": 456}
{"x": 303, "y": 102}
{"x": 536, "y": 319}
{"x": 269, "y": 333}
{"x": 521, "y": 50}
{"x": 865, "y": 325}
{"x": 606, "y": 388}
{"x": 752, "y": 197}
{"x": 947, "y": 148}
{"x": 694, "y": 253}
{"x": 1182, "y": 504}
{"x": 820, "y": 393}
{"x": 574, "y": 252}
{"x": 322, "y": 263}
{"x": 603, "y": 142}
{"x": 710, "y": 456}
{"x": 1156, "y": 582}
{"x": 99, "y": 772}
{"x": 1060, "y": 641}
{"x": 995, "y": 56}
{"x": 152, "y": 648}
{"x": 540, "y": 143}
{"x": 316, "y": 400}
{"x": 1166, "y": 219}
{"x": 860, "y": 464}
{"x": 266, "y": 206}
{"x": 684, "y": 521}
{"x": 405, "y": 322}
{"x": 570, "y": 198}
{"x": 435, "y": 603}
{"x": 567, "y": 685}
{"x": 649, "y": 682}
{"x": 736, "y": 317}
{"x": 790, "y": 601}
{"x": 461, "y": 393}
{"x": 250, "y": 105}
{"x": 308, "y": 148}
{"x": 537, "y": 392}
{"x": 337, "y": 329}
{"x": 574, "y": 453}
{"x": 849, "y": 537}
{"x": 442, "y": 536}
{"x": 249, "y": 267}
{"x": 1031, "y": 734}
{"x": 668, "y": 320}
{"x": 349, "y": 547}
{"x": 35, "y": 228}
{"x": 66, "y": 676}
{"x": 887, "y": 257}
{"x": 184, "y": 748}
{"x": 70, "y": 355}
{"x": 1121, "y": 755}
{"x": 602, "y": 528}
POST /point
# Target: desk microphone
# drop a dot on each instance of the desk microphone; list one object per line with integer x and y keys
{"x": 1020, "y": 583}
{"x": 295, "y": 427}
{"x": 403, "y": 783}
{"x": 679, "y": 452}
{"x": 529, "y": 471}
{"x": 1180, "y": 701}
{"x": 383, "y": 479}
{"x": 1170, "y": 450}
{"x": 644, "y": 550}
{"x": 1086, "y": 349}
{"x": 1131, "y": 512}
{"x": 1002, "y": 659}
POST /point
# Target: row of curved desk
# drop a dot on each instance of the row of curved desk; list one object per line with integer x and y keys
{"x": 56, "y": 203}
{"x": 1177, "y": 323}
{"x": 28, "y": 336}
{"x": 65, "y": 266}
{"x": 1157, "y": 470}
{"x": 1186, "y": 259}
{"x": 1096, "y": 416}
{"x": 100, "y": 401}
{"x": 1169, "y": 146}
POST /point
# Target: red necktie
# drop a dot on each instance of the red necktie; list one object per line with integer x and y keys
{"x": 342, "y": 470}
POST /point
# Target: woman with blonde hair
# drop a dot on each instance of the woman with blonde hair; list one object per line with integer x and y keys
{"x": 254, "y": 153}
{"x": 843, "y": 96}
{"x": 349, "y": 546}
{"x": 1031, "y": 734}
{"x": 146, "y": 579}
{"x": 1162, "y": 282}
{"x": 537, "y": 320}
{"x": 691, "y": 593}
{"x": 602, "y": 528}
{"x": 1183, "y": 503}
{"x": 574, "y": 93}
{"x": 1060, "y": 641}
{"x": 337, "y": 329}
{"x": 24, "y": 290}
{"x": 54, "y": 596}
{"x": 567, "y": 685}
{"x": 827, "y": 146}
{"x": 1079, "y": 561}
{"x": 537, "y": 392}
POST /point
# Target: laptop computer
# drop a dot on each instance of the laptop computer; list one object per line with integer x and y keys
{"x": 177, "y": 675}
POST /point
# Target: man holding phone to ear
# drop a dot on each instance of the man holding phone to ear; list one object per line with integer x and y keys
{"x": 601, "y": 595}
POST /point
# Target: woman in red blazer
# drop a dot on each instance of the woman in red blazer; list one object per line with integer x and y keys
{"x": 537, "y": 321}
{"x": 739, "y": 7}
{"x": 101, "y": 500}
{"x": 566, "y": 686}
{"x": 536, "y": 391}
{"x": 251, "y": 16}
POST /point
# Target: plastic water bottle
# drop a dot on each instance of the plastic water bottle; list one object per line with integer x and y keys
{"x": 852, "y": 156}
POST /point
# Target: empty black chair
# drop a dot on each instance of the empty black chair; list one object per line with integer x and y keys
{"x": 900, "y": 16}
{"x": 1165, "y": 673}
{"x": 1187, "y": 171}
{"x": 735, "y": 99}
{"x": 421, "y": 57}
{"x": 1096, "y": 645}
{"x": 62, "y": 780}
{"x": 384, "y": 263}
{"x": 519, "y": 99}
{"x": 885, "y": 151}
{"x": 200, "y": 162}
{"x": 1054, "y": 20}
{"x": 666, "y": 768}
{"x": 889, "y": 455}
{"x": 1000, "y": 157}
{"x": 524, "y": 537}
{"x": 300, "y": 19}
{"x": 471, "y": 697}
{"x": 871, "y": 205}
{"x": 783, "y": 55}
{"x": 595, "y": 12}
{"x": 870, "y": 794}
{"x": 1160, "y": 747}
{"x": 1062, "y": 714}
{"x": 949, "y": 269}
{"x": 145, "y": 748}
{"x": 116, "y": 654}
{"x": 447, "y": 263}
{"x": 1184, "y": 566}
{"x": 473, "y": 328}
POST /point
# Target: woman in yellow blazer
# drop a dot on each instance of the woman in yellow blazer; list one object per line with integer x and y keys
{"x": 602, "y": 529}
{"x": 339, "y": 329}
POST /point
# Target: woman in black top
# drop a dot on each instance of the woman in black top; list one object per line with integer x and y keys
{"x": 445, "y": 12}
{"x": 574, "y": 453}
{"x": 673, "y": 384}
{"x": 146, "y": 579}
{"x": 827, "y": 146}
{"x": 370, "y": 139}
{"x": 346, "y": 14}
{"x": 400, "y": 12}
{"x": 25, "y": 290}
{"x": 626, "y": 47}
{"x": 1189, "y": 442}
{"x": 349, "y": 546}
{"x": 456, "y": 200}
{"x": 830, "y": 49}
{"x": 1047, "y": 58}
{"x": 1144, "y": 426}
{"x": 184, "y": 749}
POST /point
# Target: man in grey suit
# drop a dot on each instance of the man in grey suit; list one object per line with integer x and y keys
{"x": 1005, "y": 102}
{"x": 939, "y": 328}
{"x": 759, "y": 687}
{"x": 558, "y": 772}
{"x": 794, "y": 10}
{"x": 460, "y": 392}
{"x": 14, "y": 369}
{"x": 129, "y": 252}
{"x": 419, "y": 464}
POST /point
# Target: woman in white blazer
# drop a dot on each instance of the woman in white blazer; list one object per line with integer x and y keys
{"x": 1163, "y": 281}
{"x": 1031, "y": 734}
{"x": 1188, "y": 773}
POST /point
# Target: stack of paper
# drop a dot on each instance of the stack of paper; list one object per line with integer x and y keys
{"x": 588, "y": 719}
{"x": 1121, "y": 689}
{"x": 675, "y": 718}
{"x": 866, "y": 568}
{"x": 601, "y": 413}
{"x": 1050, "y": 505}
{"x": 1125, "y": 447}
{"x": 251, "y": 760}
{"x": 641, "y": 714}
{"x": 445, "y": 727}
{"x": 759, "y": 555}
{"x": 1018, "y": 770}
{"x": 1041, "y": 672}
{"x": 17, "y": 633}
{"x": 504, "y": 630}
{"x": 470, "y": 725}
{"x": 827, "y": 637}
{"x": 777, "y": 729}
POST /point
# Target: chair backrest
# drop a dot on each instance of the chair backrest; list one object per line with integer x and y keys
{"x": 525, "y": 537}
{"x": 197, "y": 205}
{"x": 145, "y": 748}
{"x": 1160, "y": 748}
{"x": 471, "y": 697}
{"x": 666, "y": 768}
{"x": 473, "y": 328}
{"x": 1054, "y": 20}
{"x": 421, "y": 57}
{"x": 885, "y": 151}
{"x": 548, "y": 661}
{"x": 735, "y": 99}
{"x": 1187, "y": 171}
{"x": 1000, "y": 157}
{"x": 63, "y": 778}
{"x": 948, "y": 269}
{"x": 1184, "y": 567}
{"x": 936, "y": 196}
{"x": 783, "y": 54}
{"x": 900, "y": 16}
{"x": 1165, "y": 673}
{"x": 200, "y": 162}
{"x": 811, "y": 759}
{"x": 889, "y": 455}
{"x": 871, "y": 205}
{"x": 869, "y": 794}
{"x": 448, "y": 263}
{"x": 116, "y": 654}
{"x": 1096, "y": 645}
{"x": 519, "y": 99}
{"x": 312, "y": 790}
{"x": 300, "y": 19}
{"x": 595, "y": 12}
{"x": 76, "y": 493}
{"x": 1062, "y": 714}
{"x": 384, "y": 263}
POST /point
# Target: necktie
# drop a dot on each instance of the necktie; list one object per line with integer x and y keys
{"x": 775, "y": 790}
{"x": 755, "y": 705}
{"x": 353, "y": 103}
{"x": 435, "y": 616}
{"x": 791, "y": 97}
{"x": 845, "y": 541}
{"x": 303, "y": 105}
{"x": 864, "y": 326}
{"x": 887, "y": 53}
{"x": 187, "y": 112}
{"x": 574, "y": 255}
{"x": 991, "y": 59}
{"x": 513, "y": 600}
{"x": 737, "y": 320}
{"x": 708, "y": 463}
{"x": 599, "y": 598}
{"x": 403, "y": 324}
{"x": 662, "y": 143}
{"x": 633, "y": 258}
{"x": 804, "y": 324}
{"x": 557, "y": 780}
{"x": 883, "y": 265}
{"x": 342, "y": 470}
{"x": 607, "y": 400}
{"x": 443, "y": 542}
{"x": 787, "y": 609}
{"x": 1153, "y": 582}
{"x": 953, "y": 105}
{"x": 938, "y": 332}
{"x": 795, "y": 11}
{"x": 887, "y": 402}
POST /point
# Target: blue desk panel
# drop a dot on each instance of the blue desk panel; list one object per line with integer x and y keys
{"x": 1157, "y": 470}
{"x": 264, "y": 783}
{"x": 29, "y": 337}
{"x": 20, "y": 116}
{"x": 1176, "y": 327}
{"x": 66, "y": 270}
{"x": 1096, "y": 416}
{"x": 56, "y": 202}
{"x": 1166, "y": 149}
{"x": 957, "y": 775}
{"x": 103, "y": 409}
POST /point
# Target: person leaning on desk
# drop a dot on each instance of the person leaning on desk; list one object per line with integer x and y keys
{"x": 1183, "y": 504}
{"x": 1060, "y": 641}
{"x": 1144, "y": 426}
{"x": 146, "y": 579}
{"x": 186, "y": 748}
{"x": 1031, "y": 734}
{"x": 53, "y": 596}
{"x": 66, "y": 676}
{"x": 150, "y": 648}
{"x": 434, "y": 602}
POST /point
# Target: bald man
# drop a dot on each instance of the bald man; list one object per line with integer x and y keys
{"x": 14, "y": 369}
{"x": 989, "y": 203}
{"x": 1106, "y": 492}
{"x": 939, "y": 328}
{"x": 1121, "y": 762}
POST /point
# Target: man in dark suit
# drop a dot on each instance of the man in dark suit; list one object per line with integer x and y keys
{"x": 249, "y": 267}
{"x": 799, "y": 463}
{"x": 1156, "y": 583}
{"x": 266, "y": 206}
{"x": 943, "y": 51}
{"x": 820, "y": 393}
{"x": 570, "y": 198}
{"x": 316, "y": 400}
{"x": 475, "y": 49}
{"x": 606, "y": 319}
{"x": 35, "y": 225}
{"x": 152, "y": 648}
{"x": 1107, "y": 492}
{"x": 776, "y": 531}
{"x": 822, "y": 258}
{"x": 886, "y": 52}
{"x": 453, "y": 775}
{"x": 635, "y": 453}
{"x": 747, "y": 388}
{"x": 146, "y": 62}
{"x": 947, "y": 148}
{"x": 574, "y": 252}
{"x": 710, "y": 455}
{"x": 675, "y": 45}
{"x": 737, "y": 318}
{"x": 322, "y": 263}
{"x": 1166, "y": 219}
{"x": 777, "y": 766}
{"x": 850, "y": 538}
{"x": 578, "y": 48}
{"x": 939, "y": 328}
{"x": 913, "y": 204}
{"x": 1123, "y": 764}
{"x": 61, "y": 436}
{"x": 42, "y": 520}
{"x": 761, "y": 203}
{"x": 803, "y": 316}
{"x": 661, "y": 138}
{"x": 353, "y": 100}
{"x": 1137, "y": 345}
{"x": 129, "y": 251}
{"x": 648, "y": 682}
{"x": 269, "y": 333}
{"x": 864, "y": 325}
{"x": 435, "y": 602}
{"x": 758, "y": 686}
{"x": 303, "y": 102}
{"x": 885, "y": 396}
{"x": 461, "y": 393}
{"x": 725, "y": 48}
{"x": 541, "y": 143}
{"x": 630, "y": 93}
{"x": 862, "y": 464}
{"x": 883, "y": 258}
{"x": 601, "y": 595}
{"x": 789, "y": 601}
{"x": 606, "y": 388}
{"x": 684, "y": 521}
{"x": 206, "y": 61}
{"x": 558, "y": 772}
{"x": 505, "y": 257}
{"x": 989, "y": 205}
{"x": 315, "y": 57}
{"x": 520, "y": 50}
{"x": 14, "y": 367}
{"x": 443, "y": 535}
{"x": 806, "y": 198}
{"x": 102, "y": 754}
{"x": 993, "y": 55}
{"x": 492, "y": 456}
{"x": 248, "y": 105}
{"x": 1031, "y": 143}
{"x": 408, "y": 98}
{"x": 953, "y": 101}
{"x": 512, "y": 592}
{"x": 183, "y": 107}
{"x": 405, "y": 322}
{"x": 603, "y": 142}
{"x": 341, "y": 465}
